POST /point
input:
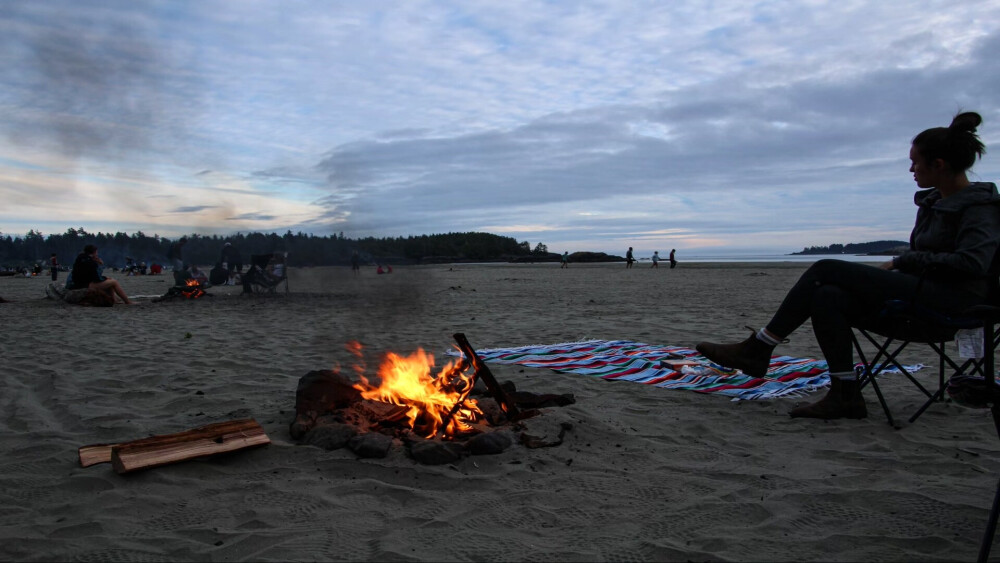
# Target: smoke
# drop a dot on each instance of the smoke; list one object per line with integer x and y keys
{"x": 92, "y": 83}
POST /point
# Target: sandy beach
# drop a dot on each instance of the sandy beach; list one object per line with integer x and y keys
{"x": 645, "y": 474}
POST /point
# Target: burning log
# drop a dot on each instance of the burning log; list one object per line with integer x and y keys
{"x": 213, "y": 439}
{"x": 484, "y": 372}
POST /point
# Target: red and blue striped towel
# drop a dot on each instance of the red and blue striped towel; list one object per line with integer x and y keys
{"x": 624, "y": 360}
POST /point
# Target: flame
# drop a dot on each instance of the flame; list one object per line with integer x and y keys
{"x": 407, "y": 381}
{"x": 194, "y": 290}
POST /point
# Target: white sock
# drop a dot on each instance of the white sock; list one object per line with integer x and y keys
{"x": 766, "y": 338}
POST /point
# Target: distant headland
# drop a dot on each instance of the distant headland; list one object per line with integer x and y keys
{"x": 874, "y": 248}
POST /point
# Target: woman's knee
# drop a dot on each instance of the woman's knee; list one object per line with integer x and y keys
{"x": 826, "y": 268}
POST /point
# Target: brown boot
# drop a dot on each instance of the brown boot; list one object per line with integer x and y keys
{"x": 752, "y": 356}
{"x": 843, "y": 400}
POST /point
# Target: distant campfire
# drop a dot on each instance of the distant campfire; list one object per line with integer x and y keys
{"x": 432, "y": 414}
{"x": 192, "y": 289}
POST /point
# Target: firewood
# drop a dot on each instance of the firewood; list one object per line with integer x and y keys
{"x": 379, "y": 411}
{"x": 484, "y": 372}
{"x": 218, "y": 438}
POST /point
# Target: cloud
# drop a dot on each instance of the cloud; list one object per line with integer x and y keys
{"x": 191, "y": 209}
{"x": 719, "y": 124}
{"x": 735, "y": 153}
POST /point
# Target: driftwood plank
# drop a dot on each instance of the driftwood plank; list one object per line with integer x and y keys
{"x": 154, "y": 451}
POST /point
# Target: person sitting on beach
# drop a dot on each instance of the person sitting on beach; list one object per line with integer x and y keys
{"x": 952, "y": 246}
{"x": 87, "y": 275}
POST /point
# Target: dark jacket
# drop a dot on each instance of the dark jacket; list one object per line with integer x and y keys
{"x": 955, "y": 238}
{"x": 85, "y": 271}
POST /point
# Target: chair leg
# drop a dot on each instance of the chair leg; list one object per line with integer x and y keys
{"x": 991, "y": 528}
{"x": 868, "y": 376}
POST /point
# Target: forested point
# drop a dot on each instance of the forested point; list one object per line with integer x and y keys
{"x": 303, "y": 249}
{"x": 881, "y": 247}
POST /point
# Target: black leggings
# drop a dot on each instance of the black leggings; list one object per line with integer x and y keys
{"x": 838, "y": 295}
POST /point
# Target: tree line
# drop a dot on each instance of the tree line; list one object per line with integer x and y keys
{"x": 304, "y": 249}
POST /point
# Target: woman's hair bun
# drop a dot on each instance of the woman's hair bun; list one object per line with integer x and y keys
{"x": 966, "y": 121}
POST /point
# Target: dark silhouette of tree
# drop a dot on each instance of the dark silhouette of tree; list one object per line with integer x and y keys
{"x": 304, "y": 249}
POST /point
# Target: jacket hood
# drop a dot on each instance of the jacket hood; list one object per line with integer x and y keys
{"x": 976, "y": 193}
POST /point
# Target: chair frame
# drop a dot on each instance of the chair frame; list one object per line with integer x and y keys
{"x": 253, "y": 287}
{"x": 990, "y": 317}
{"x": 884, "y": 357}
{"x": 984, "y": 317}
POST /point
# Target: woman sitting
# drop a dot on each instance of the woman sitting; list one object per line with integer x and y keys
{"x": 947, "y": 269}
{"x": 86, "y": 274}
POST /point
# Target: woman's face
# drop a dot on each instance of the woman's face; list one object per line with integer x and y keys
{"x": 924, "y": 174}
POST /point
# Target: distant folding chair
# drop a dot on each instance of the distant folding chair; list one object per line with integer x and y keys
{"x": 260, "y": 279}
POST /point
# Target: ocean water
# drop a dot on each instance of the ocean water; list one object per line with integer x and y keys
{"x": 805, "y": 258}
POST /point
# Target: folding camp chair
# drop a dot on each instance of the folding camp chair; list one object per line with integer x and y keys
{"x": 260, "y": 279}
{"x": 902, "y": 323}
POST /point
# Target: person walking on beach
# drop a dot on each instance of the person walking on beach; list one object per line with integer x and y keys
{"x": 565, "y": 260}
{"x": 673, "y": 259}
{"x": 628, "y": 258}
{"x": 656, "y": 259}
{"x": 957, "y": 231}
{"x": 54, "y": 266}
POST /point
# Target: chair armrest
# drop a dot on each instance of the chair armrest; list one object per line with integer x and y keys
{"x": 985, "y": 313}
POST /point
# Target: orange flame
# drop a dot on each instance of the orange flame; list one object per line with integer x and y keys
{"x": 407, "y": 381}
{"x": 195, "y": 290}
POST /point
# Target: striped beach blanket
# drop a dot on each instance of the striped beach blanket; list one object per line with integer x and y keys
{"x": 670, "y": 367}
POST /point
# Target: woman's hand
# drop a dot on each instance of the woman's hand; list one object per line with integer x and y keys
{"x": 887, "y": 265}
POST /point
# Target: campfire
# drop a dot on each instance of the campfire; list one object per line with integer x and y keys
{"x": 192, "y": 289}
{"x": 431, "y": 404}
{"x": 430, "y": 411}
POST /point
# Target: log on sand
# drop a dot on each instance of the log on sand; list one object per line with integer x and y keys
{"x": 213, "y": 439}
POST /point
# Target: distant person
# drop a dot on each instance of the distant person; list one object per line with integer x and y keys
{"x": 673, "y": 258}
{"x": 628, "y": 258}
{"x": 356, "y": 263}
{"x": 956, "y": 236}
{"x": 54, "y": 266}
{"x": 565, "y": 260}
{"x": 175, "y": 254}
{"x": 656, "y": 259}
{"x": 232, "y": 261}
{"x": 86, "y": 274}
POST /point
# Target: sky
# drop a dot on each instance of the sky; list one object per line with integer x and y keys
{"x": 709, "y": 126}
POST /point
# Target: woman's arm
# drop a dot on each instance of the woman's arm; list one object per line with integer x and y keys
{"x": 976, "y": 241}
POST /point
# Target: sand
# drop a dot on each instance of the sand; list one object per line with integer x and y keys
{"x": 646, "y": 474}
